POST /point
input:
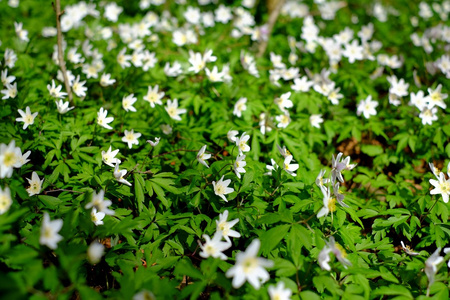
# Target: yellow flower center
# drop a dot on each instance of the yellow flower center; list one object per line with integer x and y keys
{"x": 332, "y": 204}
{"x": 341, "y": 249}
{"x": 249, "y": 265}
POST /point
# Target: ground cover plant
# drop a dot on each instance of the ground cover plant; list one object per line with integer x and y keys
{"x": 185, "y": 149}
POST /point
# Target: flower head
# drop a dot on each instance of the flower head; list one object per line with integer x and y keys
{"x": 102, "y": 120}
{"x": 131, "y": 138}
{"x": 288, "y": 167}
{"x": 239, "y": 107}
{"x": 225, "y": 227}
{"x": 63, "y": 107}
{"x": 279, "y": 292}
{"x": 95, "y": 252}
{"x": 49, "y": 232}
{"x": 441, "y": 186}
{"x": 26, "y": 117}
{"x": 214, "y": 247}
{"x": 221, "y": 188}
{"x": 202, "y": 156}
{"x": 109, "y": 157}
{"x": 173, "y": 110}
{"x": 99, "y": 203}
{"x": 97, "y": 216}
{"x": 249, "y": 267}
{"x": 431, "y": 266}
{"x": 337, "y": 250}
{"x": 35, "y": 184}
{"x": 367, "y": 107}
{"x": 239, "y": 165}
{"x": 241, "y": 143}
{"x": 118, "y": 175}
{"x": 128, "y": 101}
{"x": 5, "y": 200}
{"x": 154, "y": 96}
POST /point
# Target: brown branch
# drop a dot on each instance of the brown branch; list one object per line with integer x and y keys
{"x": 276, "y": 6}
{"x": 62, "y": 63}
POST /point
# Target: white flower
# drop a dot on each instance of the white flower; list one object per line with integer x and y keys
{"x": 156, "y": 142}
{"x": 22, "y": 34}
{"x": 201, "y": 156}
{"x": 329, "y": 203}
{"x": 112, "y": 12}
{"x": 290, "y": 168}
{"x": 214, "y": 247}
{"x": 337, "y": 250}
{"x": 241, "y": 143}
{"x": 408, "y": 250}
{"x": 431, "y": 267}
{"x": 78, "y": 87}
{"x": 35, "y": 184}
{"x": 102, "y": 120}
{"x": 419, "y": 100}
{"x": 271, "y": 167}
{"x": 316, "y": 120}
{"x": 5, "y": 200}
{"x": 109, "y": 157}
{"x": 153, "y": 96}
{"x": 10, "y": 157}
{"x": 95, "y": 252}
{"x": 131, "y": 138}
{"x": 99, "y": 203}
{"x": 441, "y": 187}
{"x": 63, "y": 107}
{"x": 302, "y": 84}
{"x": 49, "y": 232}
{"x": 225, "y": 227}
{"x": 367, "y": 107}
{"x": 174, "y": 70}
{"x": 26, "y": 117}
{"x": 353, "y": 51}
{"x": 279, "y": 292}
{"x": 214, "y": 75}
{"x": 173, "y": 110}
{"x": 231, "y": 135}
{"x": 283, "y": 120}
{"x": 123, "y": 59}
{"x": 144, "y": 295}
{"x": 320, "y": 181}
{"x": 128, "y": 101}
{"x": 339, "y": 165}
{"x": 10, "y": 92}
{"x": 192, "y": 15}
{"x": 118, "y": 175}
{"x": 55, "y": 91}
{"x": 398, "y": 87}
{"x": 239, "y": 165}
{"x": 283, "y": 101}
{"x": 106, "y": 80}
{"x": 428, "y": 115}
{"x": 239, "y": 107}
{"x": 249, "y": 267}
{"x": 7, "y": 79}
{"x": 436, "y": 98}
{"x": 221, "y": 188}
{"x": 97, "y": 217}
{"x": 166, "y": 129}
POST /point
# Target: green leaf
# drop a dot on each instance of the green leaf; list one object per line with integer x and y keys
{"x": 271, "y": 238}
{"x": 139, "y": 190}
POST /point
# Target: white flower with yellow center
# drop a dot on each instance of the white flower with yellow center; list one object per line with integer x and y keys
{"x": 240, "y": 106}
{"x": 102, "y": 120}
{"x": 288, "y": 167}
{"x": 128, "y": 101}
{"x": 153, "y": 96}
{"x": 241, "y": 143}
{"x": 214, "y": 247}
{"x": 35, "y": 184}
{"x": 337, "y": 250}
{"x": 49, "y": 232}
{"x": 99, "y": 203}
{"x": 329, "y": 203}
{"x": 221, "y": 188}
{"x": 109, "y": 157}
{"x": 249, "y": 267}
{"x": 279, "y": 292}
{"x": 173, "y": 111}
{"x": 10, "y": 157}
{"x": 5, "y": 200}
{"x": 97, "y": 217}
{"x": 239, "y": 165}
{"x": 26, "y": 117}
{"x": 225, "y": 227}
{"x": 131, "y": 138}
{"x": 202, "y": 156}
{"x": 441, "y": 186}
